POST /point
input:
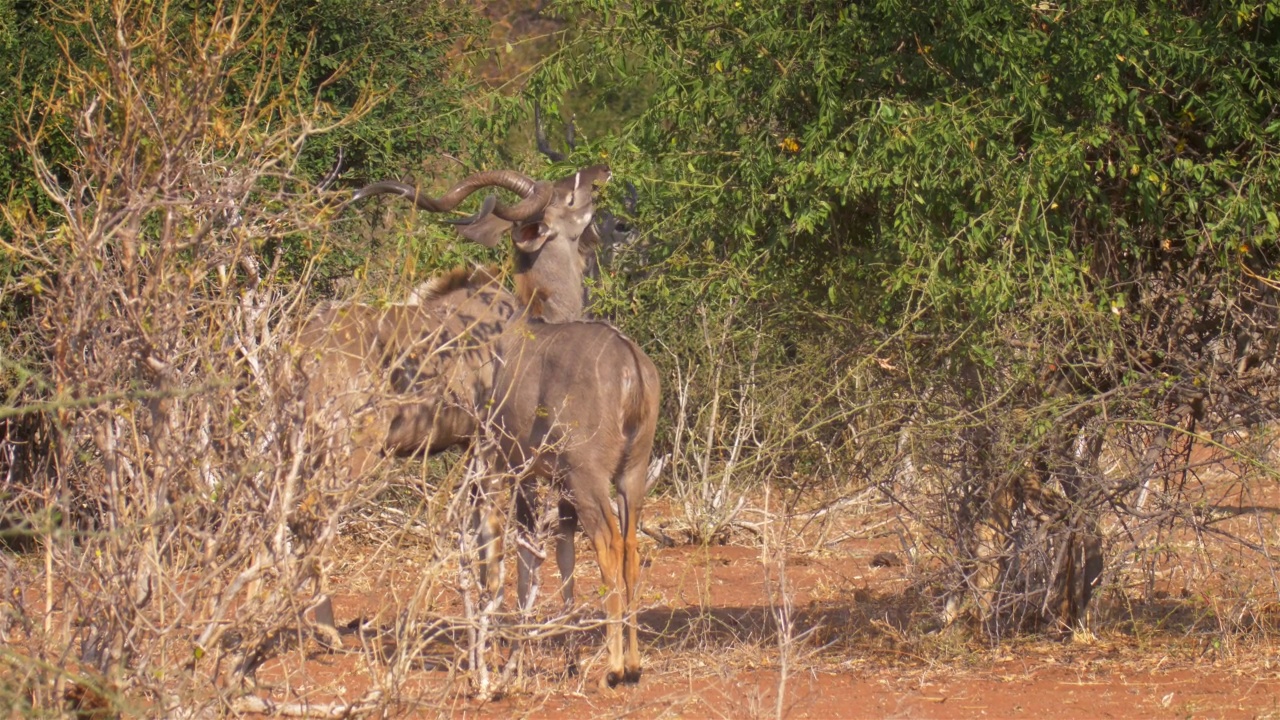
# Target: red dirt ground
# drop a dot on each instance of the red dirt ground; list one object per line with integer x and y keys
{"x": 711, "y": 650}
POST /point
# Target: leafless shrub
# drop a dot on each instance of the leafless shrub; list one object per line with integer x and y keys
{"x": 1121, "y": 455}
{"x": 184, "y": 518}
{"x": 754, "y": 402}
{"x": 791, "y": 640}
{"x": 716, "y": 430}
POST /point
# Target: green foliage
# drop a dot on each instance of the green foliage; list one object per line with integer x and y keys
{"x": 967, "y": 158}
{"x": 409, "y": 52}
{"x": 989, "y": 236}
{"x": 413, "y": 55}
{"x": 28, "y": 60}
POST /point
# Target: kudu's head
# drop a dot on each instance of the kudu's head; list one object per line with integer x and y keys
{"x": 548, "y": 228}
{"x": 609, "y": 232}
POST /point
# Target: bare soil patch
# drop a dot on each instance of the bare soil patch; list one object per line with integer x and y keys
{"x": 866, "y": 644}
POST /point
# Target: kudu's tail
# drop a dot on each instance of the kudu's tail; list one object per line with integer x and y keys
{"x": 639, "y": 407}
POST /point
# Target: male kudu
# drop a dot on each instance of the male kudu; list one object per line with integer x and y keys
{"x": 570, "y": 402}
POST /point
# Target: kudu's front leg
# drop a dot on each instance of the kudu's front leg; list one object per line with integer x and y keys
{"x": 531, "y": 555}
{"x": 362, "y": 460}
{"x": 486, "y": 528}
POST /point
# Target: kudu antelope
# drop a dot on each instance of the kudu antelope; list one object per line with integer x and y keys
{"x": 571, "y": 402}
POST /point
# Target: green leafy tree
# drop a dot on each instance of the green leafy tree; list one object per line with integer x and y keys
{"x": 410, "y": 52}
{"x": 981, "y": 148}
{"x": 1039, "y": 215}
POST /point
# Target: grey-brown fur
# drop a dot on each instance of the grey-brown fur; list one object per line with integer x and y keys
{"x": 406, "y": 378}
{"x": 577, "y": 403}
{"x": 571, "y": 402}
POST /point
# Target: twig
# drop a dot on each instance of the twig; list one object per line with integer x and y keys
{"x": 264, "y": 706}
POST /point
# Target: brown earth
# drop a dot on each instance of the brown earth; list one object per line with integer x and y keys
{"x": 862, "y": 646}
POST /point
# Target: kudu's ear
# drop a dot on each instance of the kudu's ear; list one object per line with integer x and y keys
{"x": 487, "y": 231}
{"x": 530, "y": 237}
{"x": 592, "y": 177}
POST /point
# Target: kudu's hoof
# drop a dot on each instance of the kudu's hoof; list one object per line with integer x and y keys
{"x": 571, "y": 668}
{"x": 628, "y": 677}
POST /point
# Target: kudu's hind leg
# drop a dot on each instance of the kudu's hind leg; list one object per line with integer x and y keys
{"x": 361, "y": 461}
{"x": 326, "y": 631}
{"x": 565, "y": 560}
{"x": 630, "y": 501}
{"x": 595, "y": 511}
{"x": 486, "y": 527}
{"x": 566, "y": 554}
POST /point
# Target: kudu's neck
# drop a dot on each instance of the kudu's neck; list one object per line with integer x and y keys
{"x": 550, "y": 284}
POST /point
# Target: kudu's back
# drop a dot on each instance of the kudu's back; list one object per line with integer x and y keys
{"x": 572, "y": 395}
{"x": 407, "y": 378}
